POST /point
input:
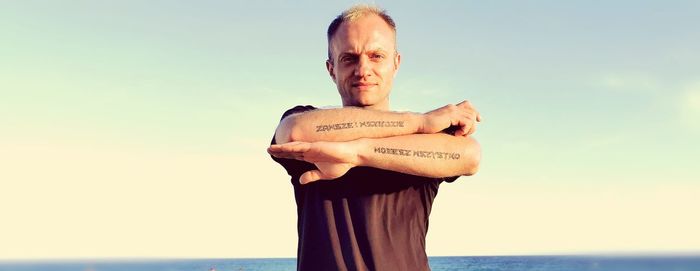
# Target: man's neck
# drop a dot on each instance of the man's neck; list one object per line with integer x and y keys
{"x": 381, "y": 106}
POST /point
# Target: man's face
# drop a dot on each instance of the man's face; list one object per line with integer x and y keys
{"x": 364, "y": 62}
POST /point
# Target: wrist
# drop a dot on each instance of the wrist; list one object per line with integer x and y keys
{"x": 360, "y": 146}
{"x": 418, "y": 120}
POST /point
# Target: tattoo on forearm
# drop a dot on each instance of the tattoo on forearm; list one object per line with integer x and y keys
{"x": 361, "y": 124}
{"x": 418, "y": 153}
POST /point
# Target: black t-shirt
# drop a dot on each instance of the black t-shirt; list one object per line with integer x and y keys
{"x": 368, "y": 219}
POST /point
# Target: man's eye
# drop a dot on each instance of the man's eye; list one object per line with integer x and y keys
{"x": 347, "y": 59}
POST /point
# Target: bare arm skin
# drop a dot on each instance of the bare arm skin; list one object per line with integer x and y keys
{"x": 343, "y": 124}
{"x": 350, "y": 123}
{"x": 429, "y": 155}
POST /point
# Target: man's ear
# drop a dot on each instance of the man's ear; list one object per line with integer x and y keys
{"x": 329, "y": 67}
{"x": 397, "y": 62}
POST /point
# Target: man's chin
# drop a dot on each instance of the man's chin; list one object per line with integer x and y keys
{"x": 367, "y": 103}
{"x": 364, "y": 101}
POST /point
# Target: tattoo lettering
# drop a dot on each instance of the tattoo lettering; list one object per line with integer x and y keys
{"x": 381, "y": 124}
{"x": 337, "y": 126}
{"x": 361, "y": 124}
{"x": 401, "y": 152}
{"x": 418, "y": 153}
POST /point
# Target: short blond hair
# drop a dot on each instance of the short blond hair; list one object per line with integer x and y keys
{"x": 353, "y": 13}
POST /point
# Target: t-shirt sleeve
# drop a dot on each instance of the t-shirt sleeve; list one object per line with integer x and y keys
{"x": 294, "y": 167}
{"x": 450, "y": 179}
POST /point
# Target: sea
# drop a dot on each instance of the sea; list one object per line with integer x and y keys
{"x": 472, "y": 263}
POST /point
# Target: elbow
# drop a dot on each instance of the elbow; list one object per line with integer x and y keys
{"x": 471, "y": 170}
{"x": 472, "y": 155}
{"x": 287, "y": 131}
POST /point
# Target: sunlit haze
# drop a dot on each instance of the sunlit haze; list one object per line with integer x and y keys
{"x": 139, "y": 128}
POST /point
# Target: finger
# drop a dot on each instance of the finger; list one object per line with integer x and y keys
{"x": 460, "y": 118}
{"x": 301, "y": 147}
{"x": 279, "y": 153}
{"x": 464, "y": 103}
{"x": 456, "y": 124}
{"x": 467, "y": 112}
{"x": 276, "y": 147}
{"x": 459, "y": 132}
{"x": 471, "y": 130}
{"x": 296, "y": 147}
{"x": 468, "y": 119}
{"x": 283, "y": 150}
{"x": 310, "y": 176}
{"x": 461, "y": 127}
{"x": 273, "y": 152}
{"x": 467, "y": 106}
{"x": 478, "y": 117}
{"x": 289, "y": 156}
{"x": 283, "y": 155}
{"x": 464, "y": 130}
{"x": 287, "y": 144}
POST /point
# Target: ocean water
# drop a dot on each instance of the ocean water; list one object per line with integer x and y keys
{"x": 486, "y": 263}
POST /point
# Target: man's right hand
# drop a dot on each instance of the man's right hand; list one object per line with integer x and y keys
{"x": 463, "y": 116}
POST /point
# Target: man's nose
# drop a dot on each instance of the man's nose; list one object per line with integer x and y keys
{"x": 363, "y": 67}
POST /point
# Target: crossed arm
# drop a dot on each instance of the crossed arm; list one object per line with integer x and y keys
{"x": 336, "y": 140}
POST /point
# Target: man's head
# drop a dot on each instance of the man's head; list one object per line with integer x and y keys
{"x": 362, "y": 56}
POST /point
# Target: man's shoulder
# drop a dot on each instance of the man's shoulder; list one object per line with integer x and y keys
{"x": 297, "y": 109}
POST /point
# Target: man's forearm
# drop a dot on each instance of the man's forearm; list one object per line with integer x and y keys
{"x": 344, "y": 124}
{"x": 429, "y": 155}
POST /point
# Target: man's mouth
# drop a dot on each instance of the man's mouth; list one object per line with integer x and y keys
{"x": 363, "y": 85}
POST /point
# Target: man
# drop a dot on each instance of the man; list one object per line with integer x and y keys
{"x": 365, "y": 177}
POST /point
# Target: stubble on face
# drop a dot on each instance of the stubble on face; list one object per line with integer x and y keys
{"x": 365, "y": 62}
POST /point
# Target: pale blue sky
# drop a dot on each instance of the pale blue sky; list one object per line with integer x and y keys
{"x": 573, "y": 93}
